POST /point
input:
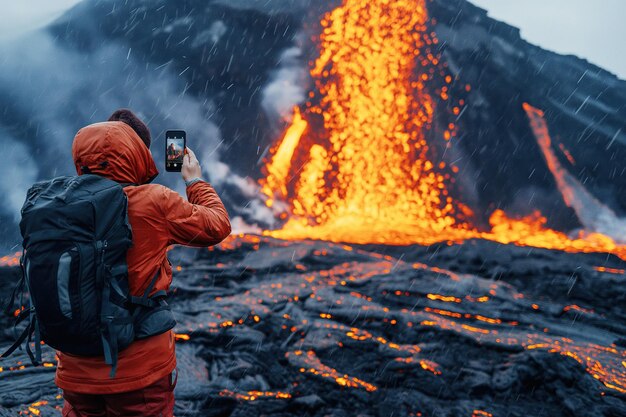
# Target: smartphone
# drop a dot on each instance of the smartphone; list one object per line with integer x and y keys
{"x": 175, "y": 142}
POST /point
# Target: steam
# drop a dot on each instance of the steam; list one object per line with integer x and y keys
{"x": 18, "y": 171}
{"x": 286, "y": 88}
{"x": 49, "y": 92}
{"x": 212, "y": 34}
{"x": 239, "y": 226}
{"x": 284, "y": 91}
{"x": 593, "y": 215}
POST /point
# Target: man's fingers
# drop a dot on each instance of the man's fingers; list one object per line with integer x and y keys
{"x": 191, "y": 165}
{"x": 187, "y": 156}
{"x": 192, "y": 156}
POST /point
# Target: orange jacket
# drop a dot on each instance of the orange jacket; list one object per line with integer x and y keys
{"x": 158, "y": 217}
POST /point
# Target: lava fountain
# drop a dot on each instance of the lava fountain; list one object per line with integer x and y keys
{"x": 369, "y": 179}
{"x": 354, "y": 165}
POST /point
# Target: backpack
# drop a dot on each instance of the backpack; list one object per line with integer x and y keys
{"x": 76, "y": 234}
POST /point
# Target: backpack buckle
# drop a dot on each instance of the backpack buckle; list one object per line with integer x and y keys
{"x": 107, "y": 319}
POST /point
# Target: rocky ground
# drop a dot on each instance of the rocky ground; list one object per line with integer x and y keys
{"x": 269, "y": 327}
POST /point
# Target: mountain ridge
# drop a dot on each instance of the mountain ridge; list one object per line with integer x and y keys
{"x": 220, "y": 60}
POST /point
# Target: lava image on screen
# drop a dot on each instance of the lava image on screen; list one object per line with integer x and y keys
{"x": 175, "y": 148}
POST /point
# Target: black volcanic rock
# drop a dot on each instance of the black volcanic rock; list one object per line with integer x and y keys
{"x": 380, "y": 331}
{"x": 314, "y": 328}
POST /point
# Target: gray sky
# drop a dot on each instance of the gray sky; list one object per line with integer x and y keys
{"x": 19, "y": 16}
{"x": 591, "y": 29}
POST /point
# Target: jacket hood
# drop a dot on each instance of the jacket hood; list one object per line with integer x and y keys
{"x": 113, "y": 150}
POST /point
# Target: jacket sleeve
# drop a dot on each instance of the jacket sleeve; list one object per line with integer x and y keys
{"x": 200, "y": 221}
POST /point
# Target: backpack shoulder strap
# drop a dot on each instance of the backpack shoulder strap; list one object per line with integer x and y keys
{"x": 19, "y": 288}
{"x": 145, "y": 300}
{"x": 33, "y": 325}
{"x": 109, "y": 336}
{"x": 25, "y": 333}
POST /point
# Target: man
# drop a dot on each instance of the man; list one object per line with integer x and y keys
{"x": 145, "y": 379}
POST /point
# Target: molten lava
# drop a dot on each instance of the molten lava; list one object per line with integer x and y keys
{"x": 369, "y": 178}
{"x": 593, "y": 215}
{"x": 11, "y": 260}
{"x": 354, "y": 164}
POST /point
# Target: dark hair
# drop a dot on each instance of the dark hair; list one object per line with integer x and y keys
{"x": 128, "y": 117}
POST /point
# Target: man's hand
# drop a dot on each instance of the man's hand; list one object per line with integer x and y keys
{"x": 191, "y": 167}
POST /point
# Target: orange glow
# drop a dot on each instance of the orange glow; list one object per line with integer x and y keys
{"x": 602, "y": 362}
{"x": 448, "y": 299}
{"x": 545, "y": 142}
{"x": 475, "y": 329}
{"x": 577, "y": 308}
{"x": 308, "y": 362}
{"x": 430, "y": 366}
{"x": 255, "y": 395}
{"x": 11, "y": 260}
{"x": 369, "y": 179}
{"x": 531, "y": 231}
{"x": 609, "y": 270}
{"x": 278, "y": 168}
{"x": 567, "y": 154}
{"x": 363, "y": 175}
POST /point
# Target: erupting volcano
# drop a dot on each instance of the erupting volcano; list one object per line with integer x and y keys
{"x": 355, "y": 166}
{"x": 449, "y": 198}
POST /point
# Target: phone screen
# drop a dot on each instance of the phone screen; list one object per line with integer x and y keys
{"x": 175, "y": 142}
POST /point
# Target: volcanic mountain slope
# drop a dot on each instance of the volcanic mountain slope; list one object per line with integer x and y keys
{"x": 229, "y": 60}
{"x": 228, "y": 54}
{"x": 269, "y": 327}
{"x": 584, "y": 107}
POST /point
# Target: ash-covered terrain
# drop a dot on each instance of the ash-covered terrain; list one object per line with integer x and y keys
{"x": 277, "y": 328}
